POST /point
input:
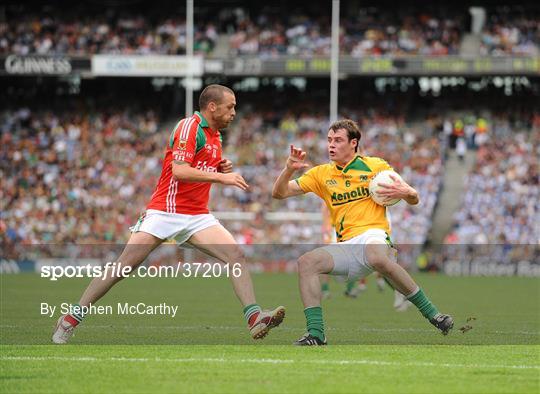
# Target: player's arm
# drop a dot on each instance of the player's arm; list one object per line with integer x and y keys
{"x": 184, "y": 150}
{"x": 399, "y": 189}
{"x": 183, "y": 171}
{"x": 283, "y": 186}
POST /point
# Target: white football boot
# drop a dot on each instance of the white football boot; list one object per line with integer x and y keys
{"x": 63, "y": 331}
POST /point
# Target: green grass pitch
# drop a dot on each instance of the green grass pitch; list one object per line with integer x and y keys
{"x": 206, "y": 347}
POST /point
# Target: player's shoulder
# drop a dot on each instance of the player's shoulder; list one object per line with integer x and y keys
{"x": 194, "y": 122}
{"x": 189, "y": 126}
{"x": 375, "y": 163}
{"x": 372, "y": 159}
{"x": 316, "y": 174}
{"x": 321, "y": 168}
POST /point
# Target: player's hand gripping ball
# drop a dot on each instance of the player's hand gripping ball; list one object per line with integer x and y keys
{"x": 374, "y": 187}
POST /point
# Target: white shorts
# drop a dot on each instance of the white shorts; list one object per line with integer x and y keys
{"x": 166, "y": 225}
{"x": 349, "y": 256}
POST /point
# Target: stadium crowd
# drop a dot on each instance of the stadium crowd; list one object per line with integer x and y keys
{"x": 512, "y": 32}
{"x": 368, "y": 32}
{"x": 56, "y": 188}
{"x": 47, "y": 35}
{"x": 266, "y": 32}
{"x": 501, "y": 204}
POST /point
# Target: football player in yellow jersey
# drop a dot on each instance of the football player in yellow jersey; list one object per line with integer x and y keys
{"x": 361, "y": 226}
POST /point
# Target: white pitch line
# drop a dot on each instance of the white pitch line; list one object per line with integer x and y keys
{"x": 269, "y": 361}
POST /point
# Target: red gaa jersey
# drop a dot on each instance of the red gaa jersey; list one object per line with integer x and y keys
{"x": 193, "y": 142}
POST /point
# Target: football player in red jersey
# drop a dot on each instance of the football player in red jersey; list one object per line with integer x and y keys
{"x": 178, "y": 209}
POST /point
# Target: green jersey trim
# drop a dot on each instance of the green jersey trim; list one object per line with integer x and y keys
{"x": 357, "y": 164}
{"x": 204, "y": 122}
{"x": 389, "y": 240}
{"x": 201, "y": 139}
{"x": 339, "y": 234}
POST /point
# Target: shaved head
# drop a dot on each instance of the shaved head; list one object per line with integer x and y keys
{"x": 213, "y": 93}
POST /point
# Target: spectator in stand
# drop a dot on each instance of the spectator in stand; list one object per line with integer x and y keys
{"x": 54, "y": 185}
{"x": 501, "y": 203}
{"x": 367, "y": 31}
{"x": 57, "y": 190}
{"x": 512, "y": 30}
{"x": 35, "y": 34}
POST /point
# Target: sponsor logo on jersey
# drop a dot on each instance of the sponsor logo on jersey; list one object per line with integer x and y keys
{"x": 182, "y": 155}
{"x": 363, "y": 178}
{"x": 203, "y": 166}
{"x": 211, "y": 146}
{"x": 359, "y": 193}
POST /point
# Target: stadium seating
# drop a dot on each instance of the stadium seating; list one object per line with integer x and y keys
{"x": 501, "y": 205}
{"x": 511, "y": 31}
{"x": 366, "y": 31}
{"x": 58, "y": 190}
{"x": 94, "y": 198}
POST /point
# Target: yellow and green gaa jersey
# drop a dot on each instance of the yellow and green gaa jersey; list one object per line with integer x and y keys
{"x": 345, "y": 190}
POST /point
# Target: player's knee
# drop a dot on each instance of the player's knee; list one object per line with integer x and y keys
{"x": 377, "y": 256}
{"x": 309, "y": 263}
{"x": 235, "y": 254}
{"x": 305, "y": 263}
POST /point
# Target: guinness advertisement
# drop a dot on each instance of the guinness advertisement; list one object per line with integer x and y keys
{"x": 146, "y": 66}
{"x": 180, "y": 66}
{"x": 43, "y": 65}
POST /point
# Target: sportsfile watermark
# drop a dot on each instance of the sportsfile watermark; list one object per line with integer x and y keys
{"x": 119, "y": 270}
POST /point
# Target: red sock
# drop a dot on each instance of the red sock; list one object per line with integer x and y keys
{"x": 253, "y": 318}
{"x": 71, "y": 320}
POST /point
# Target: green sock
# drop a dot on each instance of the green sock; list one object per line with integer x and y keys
{"x": 325, "y": 287}
{"x": 424, "y": 305}
{"x": 250, "y": 312}
{"x": 314, "y": 319}
{"x": 351, "y": 284}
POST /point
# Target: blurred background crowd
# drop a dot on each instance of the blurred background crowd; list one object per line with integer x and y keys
{"x": 268, "y": 31}
{"x": 85, "y": 178}
{"x": 500, "y": 204}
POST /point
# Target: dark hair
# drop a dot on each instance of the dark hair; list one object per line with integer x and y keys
{"x": 353, "y": 131}
{"x": 212, "y": 93}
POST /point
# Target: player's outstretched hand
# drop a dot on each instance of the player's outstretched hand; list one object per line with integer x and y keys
{"x": 234, "y": 179}
{"x": 225, "y": 166}
{"x": 296, "y": 159}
